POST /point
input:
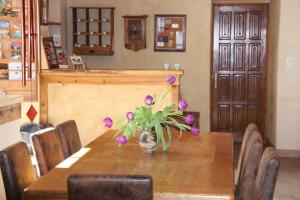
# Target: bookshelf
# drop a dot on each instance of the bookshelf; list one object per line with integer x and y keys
{"x": 93, "y": 30}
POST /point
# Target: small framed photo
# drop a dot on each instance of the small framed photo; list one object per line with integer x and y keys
{"x": 50, "y": 52}
{"x": 76, "y": 60}
{"x": 170, "y": 33}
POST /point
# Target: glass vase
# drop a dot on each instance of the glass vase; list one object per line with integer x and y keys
{"x": 148, "y": 141}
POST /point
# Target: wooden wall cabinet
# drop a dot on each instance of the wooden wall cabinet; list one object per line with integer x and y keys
{"x": 135, "y": 32}
{"x": 93, "y": 30}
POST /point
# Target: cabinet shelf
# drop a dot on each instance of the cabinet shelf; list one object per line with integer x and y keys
{"x": 92, "y": 20}
{"x": 94, "y": 38}
{"x": 92, "y": 33}
{"x": 95, "y": 50}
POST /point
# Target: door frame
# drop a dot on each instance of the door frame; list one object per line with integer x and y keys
{"x": 265, "y": 105}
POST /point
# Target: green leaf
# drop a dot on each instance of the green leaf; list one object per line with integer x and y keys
{"x": 119, "y": 121}
{"x": 179, "y": 125}
{"x": 159, "y": 131}
{"x": 122, "y": 129}
{"x": 159, "y": 116}
{"x": 154, "y": 98}
{"x": 165, "y": 146}
{"x": 169, "y": 135}
{"x": 180, "y": 113}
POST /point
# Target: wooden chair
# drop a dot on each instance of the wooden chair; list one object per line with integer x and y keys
{"x": 17, "y": 170}
{"x": 48, "y": 150}
{"x": 267, "y": 175}
{"x": 69, "y": 137}
{"x": 249, "y": 166}
{"x": 110, "y": 187}
{"x": 250, "y": 128}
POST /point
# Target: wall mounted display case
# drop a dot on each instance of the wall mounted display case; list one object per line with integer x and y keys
{"x": 93, "y": 30}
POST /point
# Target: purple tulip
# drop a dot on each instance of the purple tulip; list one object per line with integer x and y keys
{"x": 171, "y": 79}
{"x": 121, "y": 139}
{"x": 108, "y": 122}
{"x": 183, "y": 104}
{"x": 189, "y": 119}
{"x": 149, "y": 100}
{"x": 130, "y": 116}
{"x": 195, "y": 131}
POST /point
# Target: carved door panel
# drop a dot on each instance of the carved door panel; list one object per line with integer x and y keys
{"x": 239, "y": 64}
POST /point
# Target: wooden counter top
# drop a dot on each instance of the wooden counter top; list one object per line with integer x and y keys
{"x": 113, "y": 72}
{"x": 140, "y": 77}
{"x": 6, "y": 100}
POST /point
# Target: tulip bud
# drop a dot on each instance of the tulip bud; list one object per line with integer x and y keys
{"x": 108, "y": 122}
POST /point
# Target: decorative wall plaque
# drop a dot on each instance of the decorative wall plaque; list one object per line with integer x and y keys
{"x": 135, "y": 32}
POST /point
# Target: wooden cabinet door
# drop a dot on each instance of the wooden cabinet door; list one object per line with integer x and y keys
{"x": 239, "y": 67}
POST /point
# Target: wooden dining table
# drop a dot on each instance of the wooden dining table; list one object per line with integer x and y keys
{"x": 194, "y": 167}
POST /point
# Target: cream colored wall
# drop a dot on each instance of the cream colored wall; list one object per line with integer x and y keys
{"x": 57, "y": 13}
{"x": 92, "y": 103}
{"x": 195, "y": 61}
{"x": 288, "y": 77}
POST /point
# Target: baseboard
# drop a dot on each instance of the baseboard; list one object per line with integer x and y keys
{"x": 283, "y": 152}
{"x": 288, "y": 153}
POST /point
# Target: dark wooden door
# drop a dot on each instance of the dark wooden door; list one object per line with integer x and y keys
{"x": 239, "y": 67}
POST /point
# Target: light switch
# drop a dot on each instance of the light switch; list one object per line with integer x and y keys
{"x": 290, "y": 63}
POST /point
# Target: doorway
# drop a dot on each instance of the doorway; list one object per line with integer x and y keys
{"x": 238, "y": 74}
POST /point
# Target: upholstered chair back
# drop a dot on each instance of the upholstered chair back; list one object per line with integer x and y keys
{"x": 69, "y": 137}
{"x": 250, "y": 128}
{"x": 48, "y": 150}
{"x": 249, "y": 166}
{"x": 17, "y": 170}
{"x": 267, "y": 175}
{"x": 110, "y": 187}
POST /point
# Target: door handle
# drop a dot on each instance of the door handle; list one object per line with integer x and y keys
{"x": 216, "y": 80}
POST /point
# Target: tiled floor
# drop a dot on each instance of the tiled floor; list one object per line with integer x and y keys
{"x": 288, "y": 181}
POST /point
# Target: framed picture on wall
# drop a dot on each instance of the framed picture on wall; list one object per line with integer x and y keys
{"x": 50, "y": 52}
{"x": 170, "y": 33}
{"x": 135, "y": 32}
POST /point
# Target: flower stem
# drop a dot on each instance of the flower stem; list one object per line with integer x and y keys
{"x": 163, "y": 96}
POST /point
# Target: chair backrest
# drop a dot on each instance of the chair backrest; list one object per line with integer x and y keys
{"x": 249, "y": 167}
{"x": 250, "y": 128}
{"x": 69, "y": 137}
{"x": 48, "y": 150}
{"x": 17, "y": 170}
{"x": 267, "y": 175}
{"x": 110, "y": 187}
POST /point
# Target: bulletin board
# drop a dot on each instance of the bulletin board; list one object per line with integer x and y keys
{"x": 170, "y": 33}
